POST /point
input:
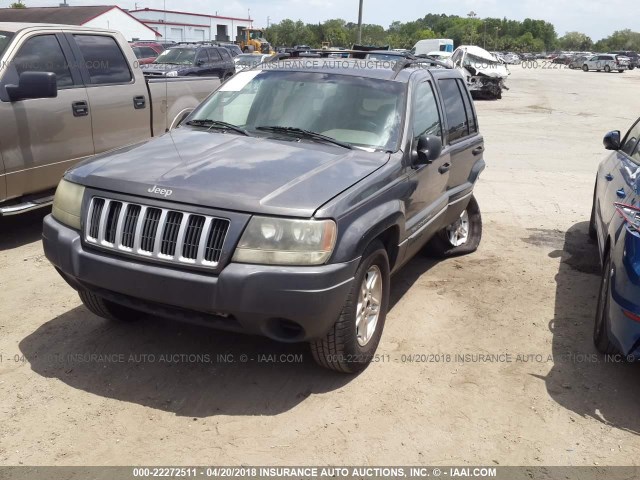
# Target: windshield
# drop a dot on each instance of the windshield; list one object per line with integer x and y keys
{"x": 385, "y": 57}
{"x": 360, "y": 111}
{"x": 255, "y": 35}
{"x": 180, "y": 56}
{"x": 5, "y": 38}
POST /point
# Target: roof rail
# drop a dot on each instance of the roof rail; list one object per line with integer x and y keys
{"x": 405, "y": 63}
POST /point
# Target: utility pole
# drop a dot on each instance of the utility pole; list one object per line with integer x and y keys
{"x": 360, "y": 24}
{"x": 471, "y": 16}
{"x": 268, "y": 21}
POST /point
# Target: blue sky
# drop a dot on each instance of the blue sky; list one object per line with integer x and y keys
{"x": 596, "y": 18}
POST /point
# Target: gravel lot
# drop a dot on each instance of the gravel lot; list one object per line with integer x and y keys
{"x": 530, "y": 392}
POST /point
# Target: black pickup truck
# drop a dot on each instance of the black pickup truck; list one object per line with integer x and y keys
{"x": 281, "y": 206}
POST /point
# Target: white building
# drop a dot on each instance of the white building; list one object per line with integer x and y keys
{"x": 191, "y": 27}
{"x": 109, "y": 16}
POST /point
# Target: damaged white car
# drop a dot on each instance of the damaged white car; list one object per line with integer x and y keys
{"x": 485, "y": 74}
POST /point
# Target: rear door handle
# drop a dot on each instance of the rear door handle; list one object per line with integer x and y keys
{"x": 609, "y": 177}
{"x": 477, "y": 151}
{"x": 621, "y": 193}
{"x": 444, "y": 168}
{"x": 139, "y": 102}
{"x": 80, "y": 109}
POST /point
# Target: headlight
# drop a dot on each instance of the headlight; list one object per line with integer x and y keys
{"x": 280, "y": 241}
{"x": 67, "y": 203}
{"x": 172, "y": 73}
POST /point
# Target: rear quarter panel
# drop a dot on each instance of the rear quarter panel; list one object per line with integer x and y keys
{"x": 174, "y": 97}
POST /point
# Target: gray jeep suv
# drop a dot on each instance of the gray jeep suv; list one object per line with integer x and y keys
{"x": 281, "y": 206}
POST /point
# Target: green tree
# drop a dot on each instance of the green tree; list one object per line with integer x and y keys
{"x": 17, "y": 4}
{"x": 575, "y": 41}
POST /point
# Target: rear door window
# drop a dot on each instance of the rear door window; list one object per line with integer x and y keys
{"x": 454, "y": 107}
{"x": 225, "y": 54}
{"x": 103, "y": 59}
{"x": 473, "y": 124}
{"x": 215, "y": 55}
{"x": 44, "y": 54}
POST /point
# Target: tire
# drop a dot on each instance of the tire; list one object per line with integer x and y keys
{"x": 620, "y": 71}
{"x": 607, "y": 68}
{"x": 593, "y": 233}
{"x": 631, "y": 67}
{"x": 601, "y": 322}
{"x": 442, "y": 246}
{"x": 342, "y": 349}
{"x": 585, "y": 68}
{"x": 106, "y": 309}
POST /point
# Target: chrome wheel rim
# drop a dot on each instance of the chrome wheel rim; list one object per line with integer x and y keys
{"x": 458, "y": 232}
{"x": 369, "y": 302}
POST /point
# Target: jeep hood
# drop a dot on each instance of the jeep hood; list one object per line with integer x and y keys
{"x": 230, "y": 171}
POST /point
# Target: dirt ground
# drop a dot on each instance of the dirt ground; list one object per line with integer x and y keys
{"x": 530, "y": 390}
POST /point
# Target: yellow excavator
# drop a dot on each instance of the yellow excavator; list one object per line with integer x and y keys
{"x": 252, "y": 40}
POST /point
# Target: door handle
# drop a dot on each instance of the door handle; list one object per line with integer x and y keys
{"x": 608, "y": 177}
{"x": 139, "y": 102}
{"x": 477, "y": 151}
{"x": 621, "y": 193}
{"x": 80, "y": 109}
{"x": 444, "y": 168}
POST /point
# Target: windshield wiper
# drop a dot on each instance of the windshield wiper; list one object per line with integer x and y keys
{"x": 301, "y": 132}
{"x": 218, "y": 124}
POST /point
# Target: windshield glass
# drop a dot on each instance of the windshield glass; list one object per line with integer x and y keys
{"x": 361, "y": 111}
{"x": 180, "y": 56}
{"x": 5, "y": 38}
{"x": 390, "y": 57}
{"x": 255, "y": 35}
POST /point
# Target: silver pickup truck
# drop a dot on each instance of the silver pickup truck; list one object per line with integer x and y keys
{"x": 67, "y": 93}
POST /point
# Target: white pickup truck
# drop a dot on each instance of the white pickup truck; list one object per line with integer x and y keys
{"x": 67, "y": 93}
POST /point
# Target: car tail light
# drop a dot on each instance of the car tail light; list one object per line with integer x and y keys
{"x": 631, "y": 215}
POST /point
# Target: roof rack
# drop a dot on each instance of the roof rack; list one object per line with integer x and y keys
{"x": 402, "y": 64}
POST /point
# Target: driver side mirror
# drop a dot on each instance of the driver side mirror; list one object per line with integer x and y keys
{"x": 612, "y": 140}
{"x": 428, "y": 149}
{"x": 33, "y": 85}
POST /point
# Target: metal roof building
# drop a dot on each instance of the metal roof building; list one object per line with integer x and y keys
{"x": 191, "y": 27}
{"x": 100, "y": 16}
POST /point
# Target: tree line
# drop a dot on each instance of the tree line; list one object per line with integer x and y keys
{"x": 529, "y": 35}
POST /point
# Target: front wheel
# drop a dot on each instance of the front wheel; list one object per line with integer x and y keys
{"x": 601, "y": 324}
{"x": 352, "y": 341}
{"x": 461, "y": 237}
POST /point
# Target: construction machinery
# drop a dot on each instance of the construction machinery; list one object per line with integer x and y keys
{"x": 252, "y": 40}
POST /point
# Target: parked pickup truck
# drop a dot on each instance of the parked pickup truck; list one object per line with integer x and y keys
{"x": 67, "y": 93}
{"x": 258, "y": 215}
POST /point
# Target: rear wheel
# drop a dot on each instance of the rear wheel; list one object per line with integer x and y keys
{"x": 601, "y": 324}
{"x": 585, "y": 68}
{"x": 352, "y": 341}
{"x": 106, "y": 309}
{"x": 607, "y": 68}
{"x": 461, "y": 237}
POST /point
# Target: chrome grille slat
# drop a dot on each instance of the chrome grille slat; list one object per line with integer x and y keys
{"x": 155, "y": 233}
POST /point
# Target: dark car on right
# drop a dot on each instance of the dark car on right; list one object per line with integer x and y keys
{"x": 634, "y": 58}
{"x": 200, "y": 60}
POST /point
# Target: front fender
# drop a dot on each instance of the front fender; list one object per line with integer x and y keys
{"x": 359, "y": 230}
